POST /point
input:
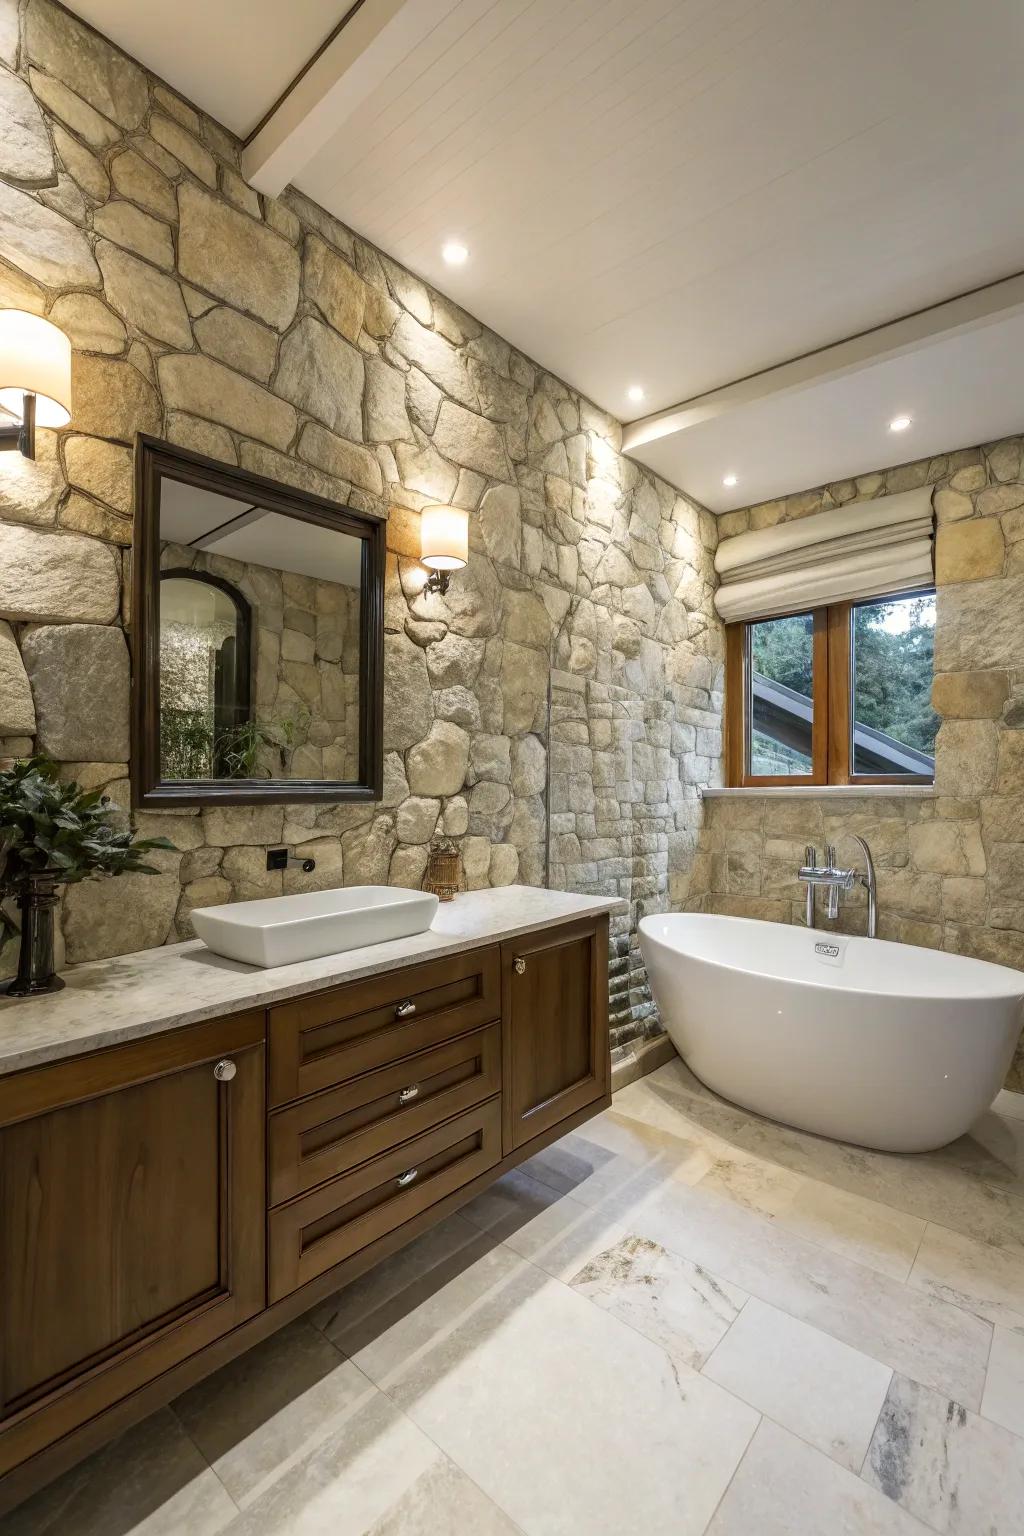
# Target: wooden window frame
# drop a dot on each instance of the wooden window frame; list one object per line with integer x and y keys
{"x": 832, "y": 673}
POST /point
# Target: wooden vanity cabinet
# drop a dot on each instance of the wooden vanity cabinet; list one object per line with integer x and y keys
{"x": 167, "y": 1203}
{"x": 132, "y": 1220}
{"x": 555, "y": 1007}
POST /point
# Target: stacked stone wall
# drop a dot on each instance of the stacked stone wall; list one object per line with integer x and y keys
{"x": 264, "y": 333}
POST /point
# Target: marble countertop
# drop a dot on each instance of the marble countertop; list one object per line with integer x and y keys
{"x": 127, "y": 997}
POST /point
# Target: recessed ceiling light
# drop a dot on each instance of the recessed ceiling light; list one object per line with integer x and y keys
{"x": 899, "y": 423}
{"x": 454, "y": 253}
{"x": 635, "y": 392}
{"x": 730, "y": 480}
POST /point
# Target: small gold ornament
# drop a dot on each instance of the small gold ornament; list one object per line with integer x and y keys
{"x": 443, "y": 875}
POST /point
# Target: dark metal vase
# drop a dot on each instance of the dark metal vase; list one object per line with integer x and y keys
{"x": 37, "y": 898}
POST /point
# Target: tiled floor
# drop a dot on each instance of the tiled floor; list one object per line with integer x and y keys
{"x": 680, "y": 1319}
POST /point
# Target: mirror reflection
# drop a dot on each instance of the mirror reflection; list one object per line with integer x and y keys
{"x": 259, "y": 642}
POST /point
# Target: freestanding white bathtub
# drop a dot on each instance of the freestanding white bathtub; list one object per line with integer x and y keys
{"x": 881, "y": 1044}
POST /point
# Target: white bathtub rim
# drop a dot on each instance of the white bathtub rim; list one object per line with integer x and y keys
{"x": 645, "y": 929}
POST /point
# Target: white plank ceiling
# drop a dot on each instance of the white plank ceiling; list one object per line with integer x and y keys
{"x": 674, "y": 193}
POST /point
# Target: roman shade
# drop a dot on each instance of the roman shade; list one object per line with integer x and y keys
{"x": 868, "y": 549}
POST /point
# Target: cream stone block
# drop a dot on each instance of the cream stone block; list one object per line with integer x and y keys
{"x": 140, "y": 182}
{"x": 90, "y": 324}
{"x": 144, "y": 297}
{"x": 970, "y": 695}
{"x": 107, "y": 78}
{"x": 965, "y": 757}
{"x": 337, "y": 291}
{"x": 128, "y": 226}
{"x": 233, "y": 256}
{"x": 113, "y": 399}
{"x": 947, "y": 847}
{"x": 42, "y": 244}
{"x": 969, "y": 551}
{"x": 343, "y": 460}
{"x": 237, "y": 340}
{"x": 25, "y": 151}
{"x": 205, "y": 388}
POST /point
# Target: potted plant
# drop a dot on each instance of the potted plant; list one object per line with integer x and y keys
{"x": 53, "y": 834}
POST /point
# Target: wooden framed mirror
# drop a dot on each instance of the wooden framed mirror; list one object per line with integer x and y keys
{"x": 257, "y": 639}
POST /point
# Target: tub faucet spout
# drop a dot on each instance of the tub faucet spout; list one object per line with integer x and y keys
{"x": 870, "y": 884}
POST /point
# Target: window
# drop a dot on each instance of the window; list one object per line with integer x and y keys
{"x": 840, "y": 695}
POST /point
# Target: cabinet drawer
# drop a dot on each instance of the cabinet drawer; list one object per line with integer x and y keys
{"x": 333, "y": 1131}
{"x": 331, "y": 1223}
{"x": 318, "y": 1042}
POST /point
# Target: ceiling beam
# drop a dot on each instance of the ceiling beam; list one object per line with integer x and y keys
{"x": 967, "y": 312}
{"x": 370, "y": 40}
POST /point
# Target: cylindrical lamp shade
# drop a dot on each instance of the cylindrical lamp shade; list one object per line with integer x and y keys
{"x": 35, "y": 359}
{"x": 444, "y": 538}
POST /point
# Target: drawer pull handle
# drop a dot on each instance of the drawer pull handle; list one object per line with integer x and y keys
{"x": 405, "y": 1179}
{"x": 408, "y": 1094}
{"x": 519, "y": 965}
{"x": 224, "y": 1071}
{"x": 405, "y": 1010}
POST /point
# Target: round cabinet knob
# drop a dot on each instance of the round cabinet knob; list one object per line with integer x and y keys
{"x": 519, "y": 965}
{"x": 224, "y": 1071}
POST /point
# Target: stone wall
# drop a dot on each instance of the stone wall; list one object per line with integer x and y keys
{"x": 266, "y": 334}
{"x": 951, "y": 864}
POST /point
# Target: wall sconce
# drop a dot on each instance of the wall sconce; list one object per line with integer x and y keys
{"x": 35, "y": 378}
{"x": 444, "y": 544}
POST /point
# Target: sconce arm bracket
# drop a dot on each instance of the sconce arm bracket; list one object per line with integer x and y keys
{"x": 22, "y": 437}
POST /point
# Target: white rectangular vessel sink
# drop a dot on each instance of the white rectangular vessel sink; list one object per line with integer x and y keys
{"x": 281, "y": 930}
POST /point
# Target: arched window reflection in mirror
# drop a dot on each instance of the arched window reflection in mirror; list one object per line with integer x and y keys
{"x": 205, "y": 629}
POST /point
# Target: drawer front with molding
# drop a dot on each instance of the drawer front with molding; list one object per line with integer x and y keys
{"x": 318, "y": 1042}
{"x": 321, "y": 1137}
{"x": 320, "y": 1229}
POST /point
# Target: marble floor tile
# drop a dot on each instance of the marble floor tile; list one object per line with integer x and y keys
{"x": 863, "y": 1230}
{"x": 438, "y": 1252}
{"x": 267, "y": 1409}
{"x": 571, "y": 1421}
{"x": 152, "y": 1481}
{"x": 993, "y": 1151}
{"x": 444, "y": 1502}
{"x": 1003, "y": 1400}
{"x": 960, "y": 1474}
{"x": 807, "y": 1381}
{"x": 1010, "y": 1104}
{"x": 553, "y": 1231}
{"x": 680, "y": 1306}
{"x": 985, "y": 1280}
{"x": 786, "y": 1488}
{"x": 917, "y": 1334}
{"x": 355, "y": 1479}
{"x": 580, "y": 1166}
{"x": 877, "y": 1235}
{"x": 383, "y": 1338}
{"x": 952, "y": 1188}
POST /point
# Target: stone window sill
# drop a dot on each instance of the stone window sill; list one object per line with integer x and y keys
{"x": 825, "y": 791}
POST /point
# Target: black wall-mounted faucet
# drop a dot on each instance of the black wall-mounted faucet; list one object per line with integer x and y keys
{"x": 280, "y": 858}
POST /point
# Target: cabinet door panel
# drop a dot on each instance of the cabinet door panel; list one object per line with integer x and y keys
{"x": 555, "y": 1010}
{"x": 132, "y": 1227}
{"x": 129, "y": 1164}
